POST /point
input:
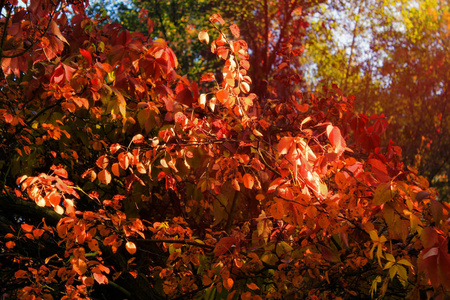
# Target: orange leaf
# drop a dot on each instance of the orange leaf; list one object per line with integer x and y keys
{"x": 249, "y": 181}
{"x": 115, "y": 169}
{"x": 336, "y": 139}
{"x": 138, "y": 138}
{"x": 79, "y": 266}
{"x": 208, "y": 77}
{"x": 100, "y": 278}
{"x": 202, "y": 101}
{"x": 228, "y": 283}
{"x": 235, "y": 184}
{"x": 206, "y": 280}
{"x": 123, "y": 160}
{"x": 102, "y": 162}
{"x": 58, "y": 209}
{"x": 37, "y": 232}
{"x": 20, "y": 274}
{"x": 252, "y": 286}
{"x": 104, "y": 176}
{"x": 131, "y": 247}
{"x": 114, "y": 148}
{"x": 10, "y": 244}
{"x": 26, "y": 227}
{"x": 54, "y": 198}
{"x": 222, "y": 95}
{"x": 257, "y": 132}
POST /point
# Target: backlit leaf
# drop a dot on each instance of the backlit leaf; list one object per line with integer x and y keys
{"x": 104, "y": 176}
{"x": 131, "y": 247}
{"x": 203, "y": 36}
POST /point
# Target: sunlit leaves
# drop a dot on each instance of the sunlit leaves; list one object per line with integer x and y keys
{"x": 104, "y": 176}
{"x": 131, "y": 247}
{"x": 235, "y": 31}
{"x": 216, "y": 194}
{"x": 203, "y": 36}
{"x": 216, "y": 18}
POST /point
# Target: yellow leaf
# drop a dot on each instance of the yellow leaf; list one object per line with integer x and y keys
{"x": 404, "y": 262}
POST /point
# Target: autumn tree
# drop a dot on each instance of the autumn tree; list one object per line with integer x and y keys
{"x": 392, "y": 57}
{"x": 123, "y": 179}
{"x": 268, "y": 27}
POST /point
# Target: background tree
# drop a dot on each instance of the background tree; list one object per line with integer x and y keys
{"x": 124, "y": 179}
{"x": 391, "y": 55}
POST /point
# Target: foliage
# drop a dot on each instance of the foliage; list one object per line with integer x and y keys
{"x": 123, "y": 179}
{"x": 177, "y": 21}
{"x": 268, "y": 27}
{"x": 393, "y": 57}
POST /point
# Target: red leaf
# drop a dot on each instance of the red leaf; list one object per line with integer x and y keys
{"x": 61, "y": 172}
{"x": 208, "y": 77}
{"x": 180, "y": 117}
{"x": 379, "y": 169}
{"x": 235, "y": 30}
{"x": 329, "y": 255}
{"x": 275, "y": 184}
{"x": 429, "y": 237}
{"x": 284, "y": 145}
{"x": 184, "y": 96}
{"x": 87, "y": 56}
{"x": 443, "y": 262}
{"x": 26, "y": 227}
{"x": 55, "y": 30}
{"x": 336, "y": 139}
{"x": 224, "y": 245}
